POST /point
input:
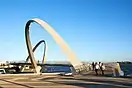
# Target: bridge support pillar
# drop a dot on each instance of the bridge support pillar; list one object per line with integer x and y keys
{"x": 37, "y": 69}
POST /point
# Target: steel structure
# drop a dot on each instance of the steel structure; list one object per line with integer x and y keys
{"x": 35, "y": 47}
{"x": 59, "y": 40}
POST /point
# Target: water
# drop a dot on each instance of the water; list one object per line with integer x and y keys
{"x": 53, "y": 69}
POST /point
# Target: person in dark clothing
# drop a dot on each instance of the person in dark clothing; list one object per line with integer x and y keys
{"x": 93, "y": 66}
{"x": 100, "y": 68}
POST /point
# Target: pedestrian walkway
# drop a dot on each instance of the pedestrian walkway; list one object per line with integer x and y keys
{"x": 55, "y": 81}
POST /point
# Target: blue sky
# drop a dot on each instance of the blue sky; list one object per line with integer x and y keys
{"x": 96, "y": 30}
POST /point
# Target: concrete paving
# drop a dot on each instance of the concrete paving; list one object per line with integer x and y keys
{"x": 56, "y": 81}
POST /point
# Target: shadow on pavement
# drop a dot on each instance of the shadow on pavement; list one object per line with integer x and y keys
{"x": 16, "y": 83}
{"x": 48, "y": 78}
{"x": 92, "y": 83}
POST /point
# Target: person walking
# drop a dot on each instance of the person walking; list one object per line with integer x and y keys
{"x": 96, "y": 68}
{"x": 102, "y": 68}
{"x": 100, "y": 71}
{"x": 93, "y": 66}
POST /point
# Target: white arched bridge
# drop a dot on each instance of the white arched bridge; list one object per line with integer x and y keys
{"x": 77, "y": 64}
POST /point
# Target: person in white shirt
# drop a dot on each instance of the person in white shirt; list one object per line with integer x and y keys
{"x": 96, "y": 68}
{"x": 102, "y": 68}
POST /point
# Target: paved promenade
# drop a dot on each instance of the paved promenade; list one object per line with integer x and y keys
{"x": 55, "y": 81}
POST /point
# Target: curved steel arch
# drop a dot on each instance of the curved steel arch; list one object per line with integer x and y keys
{"x": 64, "y": 46}
{"x": 36, "y": 46}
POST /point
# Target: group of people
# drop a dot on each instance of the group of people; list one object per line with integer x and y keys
{"x": 98, "y": 66}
